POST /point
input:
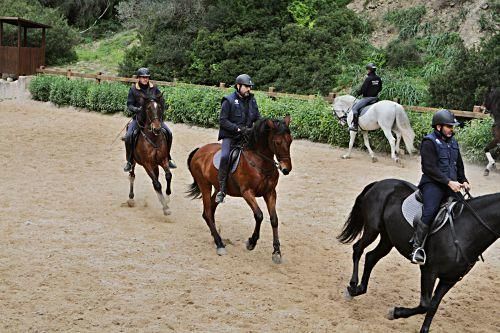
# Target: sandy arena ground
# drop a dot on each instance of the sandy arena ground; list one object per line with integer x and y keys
{"x": 74, "y": 258}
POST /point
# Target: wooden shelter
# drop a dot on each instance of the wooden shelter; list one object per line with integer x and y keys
{"x": 21, "y": 59}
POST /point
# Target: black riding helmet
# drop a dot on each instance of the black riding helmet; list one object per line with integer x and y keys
{"x": 444, "y": 117}
{"x": 143, "y": 71}
{"x": 371, "y": 66}
{"x": 244, "y": 79}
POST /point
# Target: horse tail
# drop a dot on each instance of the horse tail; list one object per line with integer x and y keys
{"x": 355, "y": 223}
{"x": 403, "y": 123}
{"x": 193, "y": 191}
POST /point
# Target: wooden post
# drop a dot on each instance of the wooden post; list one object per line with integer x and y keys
{"x": 25, "y": 39}
{"x": 43, "y": 46}
{"x": 68, "y": 73}
{"x": 98, "y": 79}
{"x": 18, "y": 48}
{"x": 222, "y": 85}
{"x": 1, "y": 32}
{"x": 271, "y": 92}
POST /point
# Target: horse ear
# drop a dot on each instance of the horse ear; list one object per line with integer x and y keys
{"x": 270, "y": 123}
{"x": 287, "y": 120}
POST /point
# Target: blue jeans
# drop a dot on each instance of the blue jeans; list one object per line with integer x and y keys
{"x": 133, "y": 125}
{"x": 361, "y": 104}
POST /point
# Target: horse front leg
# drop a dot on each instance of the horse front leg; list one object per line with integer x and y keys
{"x": 257, "y": 214}
{"x": 441, "y": 290}
{"x": 270, "y": 199}
{"x": 131, "y": 179}
{"x": 352, "y": 138}
{"x": 427, "y": 281}
{"x": 392, "y": 143}
{"x": 153, "y": 173}
{"x": 209, "y": 206}
{"x": 168, "y": 178}
{"x": 491, "y": 160}
{"x": 367, "y": 145}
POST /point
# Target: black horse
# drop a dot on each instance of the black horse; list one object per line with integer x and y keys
{"x": 377, "y": 211}
{"x": 491, "y": 104}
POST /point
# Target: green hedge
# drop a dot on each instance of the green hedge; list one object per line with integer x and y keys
{"x": 311, "y": 119}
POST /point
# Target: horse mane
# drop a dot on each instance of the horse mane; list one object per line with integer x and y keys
{"x": 260, "y": 131}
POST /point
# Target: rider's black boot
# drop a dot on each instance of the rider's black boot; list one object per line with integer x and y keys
{"x": 128, "y": 152}
{"x": 418, "y": 253}
{"x": 354, "y": 126}
{"x": 222, "y": 183}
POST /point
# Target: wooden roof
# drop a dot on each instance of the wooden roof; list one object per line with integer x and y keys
{"x": 22, "y": 22}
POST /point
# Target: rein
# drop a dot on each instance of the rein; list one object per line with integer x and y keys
{"x": 476, "y": 215}
{"x": 143, "y": 128}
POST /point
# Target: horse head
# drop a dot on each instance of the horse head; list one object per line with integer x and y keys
{"x": 154, "y": 108}
{"x": 341, "y": 107}
{"x": 274, "y": 135}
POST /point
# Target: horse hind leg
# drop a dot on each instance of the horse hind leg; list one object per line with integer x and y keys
{"x": 392, "y": 143}
{"x": 372, "y": 257}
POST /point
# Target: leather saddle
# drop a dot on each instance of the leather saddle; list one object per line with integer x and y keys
{"x": 234, "y": 159}
{"x": 412, "y": 211}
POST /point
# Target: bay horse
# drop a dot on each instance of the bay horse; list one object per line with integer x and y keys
{"x": 386, "y": 115}
{"x": 255, "y": 176}
{"x": 491, "y": 104}
{"x": 377, "y": 211}
{"x": 152, "y": 149}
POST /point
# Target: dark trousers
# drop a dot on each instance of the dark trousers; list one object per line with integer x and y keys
{"x": 432, "y": 195}
{"x": 224, "y": 158}
{"x": 361, "y": 104}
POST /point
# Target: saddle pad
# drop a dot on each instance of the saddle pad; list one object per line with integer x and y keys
{"x": 234, "y": 165}
{"x": 412, "y": 208}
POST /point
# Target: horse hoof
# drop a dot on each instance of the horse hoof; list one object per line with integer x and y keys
{"x": 277, "y": 258}
{"x": 390, "y": 314}
{"x": 347, "y": 295}
{"x": 486, "y": 172}
{"x": 374, "y": 159}
{"x": 221, "y": 251}
{"x": 131, "y": 202}
{"x": 346, "y": 157}
{"x": 250, "y": 246}
{"x": 166, "y": 212}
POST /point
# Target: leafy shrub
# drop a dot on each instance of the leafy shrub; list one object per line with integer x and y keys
{"x": 107, "y": 97}
{"x": 79, "y": 92}
{"x": 40, "y": 87}
{"x": 60, "y": 91}
{"x": 311, "y": 119}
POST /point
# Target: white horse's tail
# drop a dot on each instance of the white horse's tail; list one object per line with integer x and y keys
{"x": 403, "y": 123}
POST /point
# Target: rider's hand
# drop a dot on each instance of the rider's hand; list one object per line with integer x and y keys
{"x": 466, "y": 186}
{"x": 134, "y": 109}
{"x": 455, "y": 186}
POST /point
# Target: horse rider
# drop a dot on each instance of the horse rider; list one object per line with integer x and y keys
{"x": 239, "y": 111}
{"x": 369, "y": 90}
{"x": 147, "y": 88}
{"x": 443, "y": 175}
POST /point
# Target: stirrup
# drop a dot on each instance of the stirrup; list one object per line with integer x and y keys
{"x": 171, "y": 164}
{"x": 418, "y": 256}
{"x": 128, "y": 167}
{"x": 353, "y": 128}
{"x": 219, "y": 198}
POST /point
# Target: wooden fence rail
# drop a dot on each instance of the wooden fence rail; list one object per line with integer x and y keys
{"x": 475, "y": 114}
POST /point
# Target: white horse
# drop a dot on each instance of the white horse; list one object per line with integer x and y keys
{"x": 387, "y": 115}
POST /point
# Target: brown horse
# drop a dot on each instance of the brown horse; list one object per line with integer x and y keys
{"x": 152, "y": 149}
{"x": 256, "y": 176}
{"x": 491, "y": 103}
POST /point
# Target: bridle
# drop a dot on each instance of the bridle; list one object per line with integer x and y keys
{"x": 151, "y": 120}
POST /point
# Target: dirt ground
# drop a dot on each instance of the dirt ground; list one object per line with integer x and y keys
{"x": 74, "y": 258}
